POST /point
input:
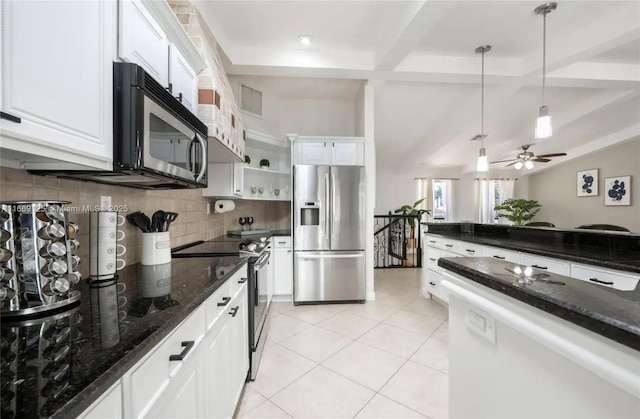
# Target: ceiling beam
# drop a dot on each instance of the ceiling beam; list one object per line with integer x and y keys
{"x": 587, "y": 41}
{"x": 420, "y": 21}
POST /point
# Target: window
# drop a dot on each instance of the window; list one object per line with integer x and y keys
{"x": 439, "y": 194}
{"x": 251, "y": 100}
{"x": 492, "y": 192}
{"x": 442, "y": 200}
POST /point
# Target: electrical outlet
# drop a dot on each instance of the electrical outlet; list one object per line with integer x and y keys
{"x": 208, "y": 208}
{"x": 105, "y": 202}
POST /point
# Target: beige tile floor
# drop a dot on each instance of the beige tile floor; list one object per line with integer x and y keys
{"x": 383, "y": 359}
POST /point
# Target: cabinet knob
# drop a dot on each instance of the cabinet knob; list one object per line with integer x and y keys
{"x": 432, "y": 283}
{"x": 499, "y": 257}
{"x": 242, "y": 281}
{"x": 234, "y": 311}
{"x": 539, "y": 267}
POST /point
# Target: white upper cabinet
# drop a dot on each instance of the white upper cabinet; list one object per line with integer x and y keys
{"x": 183, "y": 80}
{"x": 142, "y": 41}
{"x": 329, "y": 151}
{"x": 57, "y": 78}
{"x": 347, "y": 153}
{"x": 313, "y": 152}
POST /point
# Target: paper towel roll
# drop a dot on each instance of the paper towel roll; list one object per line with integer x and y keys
{"x": 224, "y": 205}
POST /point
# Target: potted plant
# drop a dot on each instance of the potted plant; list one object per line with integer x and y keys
{"x": 247, "y": 160}
{"x": 264, "y": 164}
{"x": 518, "y": 211}
{"x": 412, "y": 210}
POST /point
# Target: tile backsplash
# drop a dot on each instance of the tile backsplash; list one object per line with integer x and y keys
{"x": 193, "y": 222}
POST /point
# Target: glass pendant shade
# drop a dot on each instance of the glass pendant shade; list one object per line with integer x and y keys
{"x": 528, "y": 164}
{"x": 518, "y": 165}
{"x": 483, "y": 161}
{"x": 543, "y": 124}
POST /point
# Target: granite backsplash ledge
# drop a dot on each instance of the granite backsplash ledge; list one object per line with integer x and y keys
{"x": 192, "y": 224}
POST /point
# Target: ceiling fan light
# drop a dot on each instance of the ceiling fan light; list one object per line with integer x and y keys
{"x": 483, "y": 161}
{"x": 543, "y": 124}
{"x": 518, "y": 165}
{"x": 528, "y": 164}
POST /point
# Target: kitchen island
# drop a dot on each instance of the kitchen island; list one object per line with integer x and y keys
{"x": 539, "y": 345}
{"x": 59, "y": 365}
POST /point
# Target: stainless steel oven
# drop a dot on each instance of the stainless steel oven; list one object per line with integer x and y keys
{"x": 259, "y": 301}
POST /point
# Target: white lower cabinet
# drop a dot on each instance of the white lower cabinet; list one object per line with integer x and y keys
{"x": 217, "y": 395}
{"x": 238, "y": 346}
{"x": 197, "y": 371}
{"x": 184, "y": 395}
{"x": 502, "y": 254}
{"x": 283, "y": 261}
{"x": 555, "y": 266}
{"x": 107, "y": 406}
{"x": 153, "y": 382}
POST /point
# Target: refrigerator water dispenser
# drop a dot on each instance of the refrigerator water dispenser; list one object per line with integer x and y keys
{"x": 309, "y": 213}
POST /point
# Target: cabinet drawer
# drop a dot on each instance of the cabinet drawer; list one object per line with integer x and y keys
{"x": 152, "y": 376}
{"x": 434, "y": 287}
{"x": 433, "y": 255}
{"x": 281, "y": 241}
{"x": 432, "y": 241}
{"x": 237, "y": 281}
{"x": 615, "y": 279}
{"x": 109, "y": 405}
{"x": 470, "y": 249}
{"x": 551, "y": 265}
{"x": 503, "y": 254}
{"x": 221, "y": 296}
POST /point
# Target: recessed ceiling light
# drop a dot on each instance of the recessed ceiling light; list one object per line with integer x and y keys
{"x": 305, "y": 39}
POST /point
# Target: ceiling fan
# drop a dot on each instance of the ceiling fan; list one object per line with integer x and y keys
{"x": 526, "y": 158}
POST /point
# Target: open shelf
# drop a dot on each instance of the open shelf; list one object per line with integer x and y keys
{"x": 259, "y": 170}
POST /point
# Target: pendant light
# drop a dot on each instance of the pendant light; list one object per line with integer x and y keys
{"x": 483, "y": 160}
{"x": 543, "y": 122}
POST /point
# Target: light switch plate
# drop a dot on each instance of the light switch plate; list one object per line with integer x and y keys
{"x": 481, "y": 323}
{"x": 105, "y": 203}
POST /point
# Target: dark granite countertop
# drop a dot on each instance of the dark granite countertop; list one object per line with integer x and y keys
{"x": 281, "y": 233}
{"x": 95, "y": 343}
{"x": 606, "y": 311}
{"x": 620, "y": 251}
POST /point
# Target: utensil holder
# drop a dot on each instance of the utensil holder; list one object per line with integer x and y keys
{"x": 156, "y": 248}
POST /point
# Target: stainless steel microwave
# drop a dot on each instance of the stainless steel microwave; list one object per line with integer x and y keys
{"x": 157, "y": 142}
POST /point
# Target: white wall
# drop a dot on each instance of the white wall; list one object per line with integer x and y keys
{"x": 555, "y": 189}
{"x": 358, "y": 111}
{"x": 394, "y": 190}
{"x": 286, "y": 112}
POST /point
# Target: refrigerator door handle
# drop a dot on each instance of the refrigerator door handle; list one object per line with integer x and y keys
{"x": 333, "y": 202}
{"x": 326, "y": 202}
{"x": 349, "y": 256}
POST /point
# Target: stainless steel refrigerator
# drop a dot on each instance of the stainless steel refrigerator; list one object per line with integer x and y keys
{"x": 328, "y": 233}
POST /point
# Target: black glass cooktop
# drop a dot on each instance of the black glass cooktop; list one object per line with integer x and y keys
{"x": 208, "y": 248}
{"x": 219, "y": 246}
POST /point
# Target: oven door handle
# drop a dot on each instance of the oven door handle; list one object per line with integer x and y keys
{"x": 261, "y": 262}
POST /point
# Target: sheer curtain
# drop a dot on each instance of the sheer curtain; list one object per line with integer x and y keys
{"x": 425, "y": 190}
{"x": 490, "y": 193}
{"x": 485, "y": 201}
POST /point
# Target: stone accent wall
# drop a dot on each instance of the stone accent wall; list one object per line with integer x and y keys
{"x": 212, "y": 80}
{"x": 192, "y": 224}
